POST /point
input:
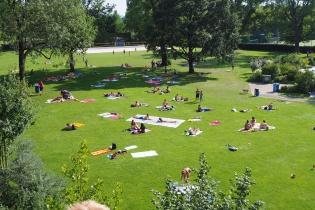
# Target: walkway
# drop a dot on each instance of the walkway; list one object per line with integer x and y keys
{"x": 266, "y": 91}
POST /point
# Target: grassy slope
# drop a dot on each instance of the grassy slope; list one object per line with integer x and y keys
{"x": 272, "y": 155}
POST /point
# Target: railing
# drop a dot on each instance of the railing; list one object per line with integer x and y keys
{"x": 133, "y": 43}
{"x": 107, "y": 44}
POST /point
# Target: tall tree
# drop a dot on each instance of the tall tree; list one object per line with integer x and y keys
{"x": 202, "y": 193}
{"x": 41, "y": 26}
{"x": 17, "y": 112}
{"x": 197, "y": 28}
{"x": 294, "y": 17}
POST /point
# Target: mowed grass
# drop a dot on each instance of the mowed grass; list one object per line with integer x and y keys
{"x": 272, "y": 155}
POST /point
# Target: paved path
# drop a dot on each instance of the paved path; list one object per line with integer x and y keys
{"x": 116, "y": 49}
{"x": 266, "y": 91}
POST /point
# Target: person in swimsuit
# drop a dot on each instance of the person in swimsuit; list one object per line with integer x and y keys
{"x": 185, "y": 174}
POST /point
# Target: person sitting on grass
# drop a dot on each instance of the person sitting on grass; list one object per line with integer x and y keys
{"x": 70, "y": 127}
{"x": 142, "y": 128}
{"x": 247, "y": 126}
{"x": 253, "y": 122}
{"x": 263, "y": 125}
{"x": 134, "y": 126}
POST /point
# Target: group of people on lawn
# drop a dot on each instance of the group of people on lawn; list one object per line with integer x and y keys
{"x": 249, "y": 125}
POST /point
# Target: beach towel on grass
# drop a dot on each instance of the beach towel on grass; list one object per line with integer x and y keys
{"x": 193, "y": 120}
{"x": 172, "y": 123}
{"x": 76, "y": 124}
{"x": 198, "y": 132}
{"x": 98, "y": 85}
{"x": 100, "y": 152}
{"x": 110, "y": 115}
{"x": 131, "y": 147}
{"x": 87, "y": 100}
{"x": 144, "y": 154}
{"x": 214, "y": 123}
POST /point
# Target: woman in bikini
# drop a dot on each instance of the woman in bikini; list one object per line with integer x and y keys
{"x": 185, "y": 174}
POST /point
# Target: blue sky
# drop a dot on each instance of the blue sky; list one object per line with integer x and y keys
{"x": 121, "y": 6}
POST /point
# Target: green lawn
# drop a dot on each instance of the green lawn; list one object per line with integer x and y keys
{"x": 272, "y": 155}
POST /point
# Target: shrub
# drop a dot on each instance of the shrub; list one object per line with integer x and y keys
{"x": 305, "y": 82}
{"x": 289, "y": 89}
{"x": 271, "y": 69}
{"x": 291, "y": 75}
{"x": 293, "y": 59}
{"x": 286, "y": 67}
{"x": 256, "y": 77}
{"x": 259, "y": 63}
{"x": 311, "y": 61}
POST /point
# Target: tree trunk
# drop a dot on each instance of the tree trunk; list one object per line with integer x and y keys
{"x": 3, "y": 155}
{"x": 164, "y": 56}
{"x": 21, "y": 61}
{"x": 71, "y": 61}
{"x": 191, "y": 61}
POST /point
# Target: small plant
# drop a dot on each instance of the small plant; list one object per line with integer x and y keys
{"x": 259, "y": 63}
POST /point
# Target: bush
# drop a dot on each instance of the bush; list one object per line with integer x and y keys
{"x": 311, "y": 61}
{"x": 271, "y": 69}
{"x": 293, "y": 59}
{"x": 286, "y": 67}
{"x": 289, "y": 89}
{"x": 169, "y": 62}
{"x": 305, "y": 82}
{"x": 259, "y": 63}
{"x": 291, "y": 75}
{"x": 256, "y": 77}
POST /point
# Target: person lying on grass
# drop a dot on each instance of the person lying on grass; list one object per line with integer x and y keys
{"x": 203, "y": 109}
{"x": 147, "y": 117}
{"x": 112, "y": 94}
{"x": 138, "y": 104}
{"x": 161, "y": 120}
{"x": 192, "y": 131}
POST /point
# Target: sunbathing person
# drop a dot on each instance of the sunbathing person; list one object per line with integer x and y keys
{"x": 142, "y": 128}
{"x": 247, "y": 126}
{"x": 193, "y": 131}
{"x": 161, "y": 120}
{"x": 176, "y": 98}
{"x": 147, "y": 117}
{"x": 167, "y": 108}
{"x": 263, "y": 125}
{"x": 185, "y": 174}
{"x": 134, "y": 126}
{"x": 270, "y": 107}
{"x": 203, "y": 109}
{"x": 253, "y": 122}
{"x": 70, "y": 127}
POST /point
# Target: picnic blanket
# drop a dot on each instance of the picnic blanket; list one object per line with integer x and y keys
{"x": 172, "y": 123}
{"x": 193, "y": 120}
{"x": 144, "y": 154}
{"x": 110, "y": 115}
{"x": 87, "y": 100}
{"x": 100, "y": 152}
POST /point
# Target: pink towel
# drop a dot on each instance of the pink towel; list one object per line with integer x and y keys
{"x": 115, "y": 116}
{"x": 88, "y": 100}
{"x": 215, "y": 123}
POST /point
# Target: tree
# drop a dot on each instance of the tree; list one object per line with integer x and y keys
{"x": 80, "y": 191}
{"x": 293, "y": 16}
{"x": 202, "y": 193}
{"x": 17, "y": 112}
{"x": 42, "y": 26}
{"x": 194, "y": 29}
{"x": 26, "y": 184}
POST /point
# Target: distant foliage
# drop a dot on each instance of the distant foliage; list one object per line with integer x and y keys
{"x": 292, "y": 59}
{"x": 203, "y": 194}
